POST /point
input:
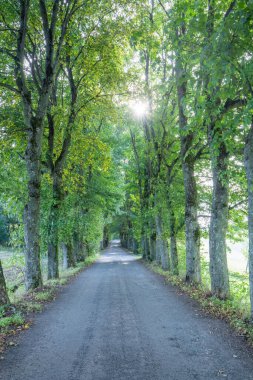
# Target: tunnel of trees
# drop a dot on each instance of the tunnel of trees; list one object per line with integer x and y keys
{"x": 130, "y": 119}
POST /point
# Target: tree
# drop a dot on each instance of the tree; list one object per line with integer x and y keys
{"x": 34, "y": 63}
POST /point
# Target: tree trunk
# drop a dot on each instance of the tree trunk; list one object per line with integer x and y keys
{"x": 173, "y": 253}
{"x": 161, "y": 245}
{"x": 78, "y": 248}
{"x": 79, "y": 252}
{"x": 64, "y": 255}
{"x": 152, "y": 244}
{"x": 145, "y": 247}
{"x": 192, "y": 230}
{"x": 130, "y": 242}
{"x": 158, "y": 247}
{"x": 193, "y": 273}
{"x": 33, "y": 276}
{"x": 68, "y": 255}
{"x": 249, "y": 173}
{"x": 4, "y": 299}
{"x": 53, "y": 260}
{"x": 219, "y": 219}
{"x": 71, "y": 256}
{"x": 53, "y": 254}
{"x": 135, "y": 246}
{"x": 106, "y": 236}
{"x": 84, "y": 250}
{"x": 173, "y": 237}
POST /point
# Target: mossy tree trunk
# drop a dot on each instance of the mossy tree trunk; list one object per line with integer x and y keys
{"x": 173, "y": 239}
{"x": 161, "y": 245}
{"x": 249, "y": 173}
{"x": 71, "y": 255}
{"x": 4, "y": 299}
{"x": 219, "y": 215}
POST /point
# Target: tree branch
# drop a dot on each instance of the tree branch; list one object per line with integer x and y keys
{"x": 19, "y": 69}
{"x": 229, "y": 10}
{"x": 11, "y": 88}
{"x": 164, "y": 9}
{"x": 243, "y": 201}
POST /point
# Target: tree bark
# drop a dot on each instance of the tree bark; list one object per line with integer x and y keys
{"x": 145, "y": 247}
{"x": 174, "y": 253}
{"x": 4, "y": 299}
{"x": 71, "y": 256}
{"x": 64, "y": 255}
{"x": 135, "y": 246}
{"x": 106, "y": 237}
{"x": 161, "y": 245}
{"x": 84, "y": 250}
{"x": 173, "y": 242}
{"x": 53, "y": 261}
{"x": 219, "y": 218}
{"x": 152, "y": 244}
{"x": 193, "y": 273}
{"x": 172, "y": 227}
{"x": 68, "y": 255}
{"x": 249, "y": 172}
{"x": 32, "y": 209}
{"x": 78, "y": 248}
{"x": 53, "y": 226}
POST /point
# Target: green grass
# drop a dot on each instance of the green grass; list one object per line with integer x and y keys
{"x": 15, "y": 319}
{"x": 70, "y": 272}
{"x": 235, "y": 310}
{"x": 56, "y": 282}
{"x": 90, "y": 260}
{"x": 239, "y": 290}
{"x": 31, "y": 306}
{"x": 240, "y": 297}
{"x": 43, "y": 296}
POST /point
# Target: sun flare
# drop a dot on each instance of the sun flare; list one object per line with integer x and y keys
{"x": 139, "y": 108}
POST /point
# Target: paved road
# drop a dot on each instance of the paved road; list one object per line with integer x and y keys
{"x": 118, "y": 321}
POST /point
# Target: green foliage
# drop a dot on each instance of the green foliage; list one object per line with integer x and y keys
{"x": 31, "y": 306}
{"x": 43, "y": 296}
{"x": 15, "y": 319}
{"x": 240, "y": 293}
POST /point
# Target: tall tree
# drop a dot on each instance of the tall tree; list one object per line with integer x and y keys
{"x": 35, "y": 61}
{"x": 192, "y": 229}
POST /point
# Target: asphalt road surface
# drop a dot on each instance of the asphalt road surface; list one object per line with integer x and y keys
{"x": 117, "y": 320}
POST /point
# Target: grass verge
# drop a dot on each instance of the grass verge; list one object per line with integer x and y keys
{"x": 227, "y": 310}
{"x": 19, "y": 314}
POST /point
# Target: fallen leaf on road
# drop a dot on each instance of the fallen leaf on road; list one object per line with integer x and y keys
{"x": 222, "y": 373}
